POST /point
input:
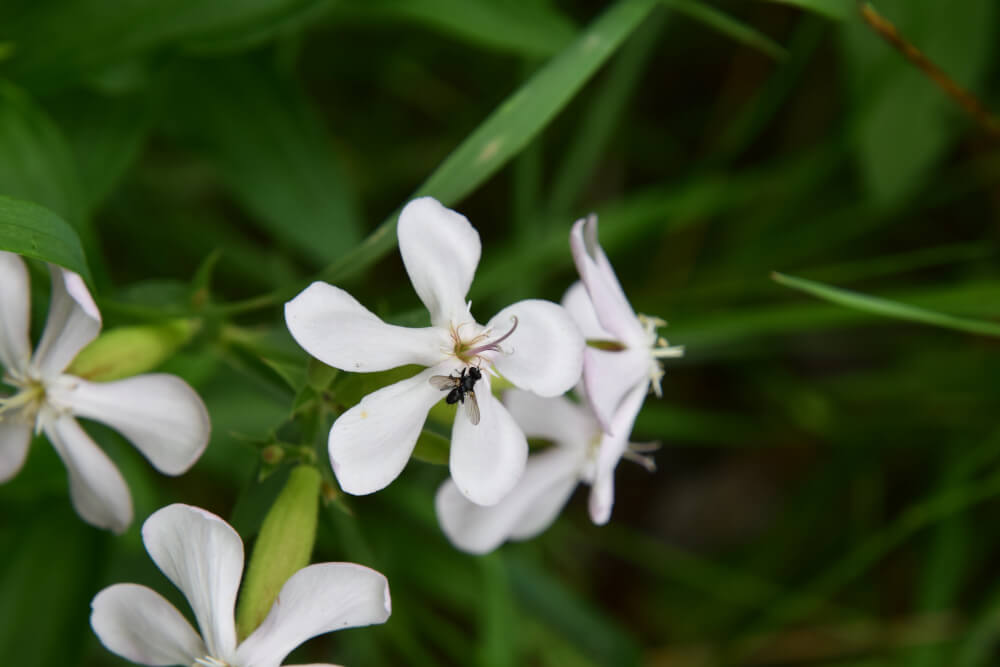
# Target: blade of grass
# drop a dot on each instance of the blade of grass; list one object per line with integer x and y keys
{"x": 728, "y": 26}
{"x": 886, "y": 307}
{"x": 510, "y": 127}
{"x": 602, "y": 118}
{"x": 833, "y": 9}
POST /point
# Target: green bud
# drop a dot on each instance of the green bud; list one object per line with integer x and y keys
{"x": 128, "y": 351}
{"x": 272, "y": 454}
{"x": 283, "y": 547}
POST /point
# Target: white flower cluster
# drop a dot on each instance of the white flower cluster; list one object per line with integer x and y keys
{"x": 594, "y": 342}
{"x": 496, "y": 491}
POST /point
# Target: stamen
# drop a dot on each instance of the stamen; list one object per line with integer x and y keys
{"x": 640, "y": 453}
{"x": 209, "y": 661}
{"x": 495, "y": 345}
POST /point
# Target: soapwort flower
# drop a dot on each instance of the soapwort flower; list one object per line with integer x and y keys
{"x": 203, "y": 556}
{"x": 581, "y": 452}
{"x": 533, "y": 344}
{"x": 628, "y": 351}
{"x": 160, "y": 414}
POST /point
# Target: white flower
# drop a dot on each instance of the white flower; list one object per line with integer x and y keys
{"x": 160, "y": 414}
{"x": 601, "y": 310}
{"x": 581, "y": 452}
{"x": 203, "y": 556}
{"x": 533, "y": 343}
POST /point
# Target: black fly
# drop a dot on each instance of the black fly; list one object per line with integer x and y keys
{"x": 460, "y": 388}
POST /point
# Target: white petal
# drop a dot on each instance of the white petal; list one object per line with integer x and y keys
{"x": 531, "y": 507}
{"x": 203, "y": 556}
{"x": 608, "y": 376}
{"x": 441, "y": 251}
{"x": 332, "y": 326}
{"x": 602, "y": 495}
{"x": 15, "y": 294}
{"x": 158, "y": 413}
{"x": 544, "y": 354}
{"x": 139, "y": 624}
{"x": 577, "y": 303}
{"x": 15, "y": 437}
{"x": 558, "y": 419}
{"x": 73, "y": 322}
{"x": 315, "y": 600}
{"x": 98, "y": 490}
{"x": 610, "y": 303}
{"x": 487, "y": 459}
{"x": 371, "y": 443}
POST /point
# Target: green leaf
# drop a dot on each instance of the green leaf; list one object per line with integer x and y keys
{"x": 34, "y": 231}
{"x": 511, "y": 126}
{"x": 47, "y": 581}
{"x": 54, "y": 48}
{"x": 887, "y": 308}
{"x": 279, "y": 160}
{"x": 105, "y": 133}
{"x": 903, "y": 123}
{"x": 728, "y": 26}
{"x": 834, "y": 9}
{"x": 37, "y": 162}
{"x": 526, "y": 28}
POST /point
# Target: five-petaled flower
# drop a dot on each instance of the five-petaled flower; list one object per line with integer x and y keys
{"x": 581, "y": 452}
{"x": 615, "y": 379}
{"x": 203, "y": 556}
{"x": 160, "y": 414}
{"x": 533, "y": 344}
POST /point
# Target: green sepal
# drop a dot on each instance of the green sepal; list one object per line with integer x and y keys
{"x": 128, "y": 351}
{"x": 284, "y": 546}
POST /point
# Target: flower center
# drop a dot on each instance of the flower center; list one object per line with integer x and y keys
{"x": 658, "y": 349}
{"x": 471, "y": 351}
{"x": 209, "y": 661}
{"x": 27, "y": 400}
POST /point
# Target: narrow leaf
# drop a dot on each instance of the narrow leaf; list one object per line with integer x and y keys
{"x": 834, "y": 9}
{"x": 511, "y": 126}
{"x": 887, "y": 308}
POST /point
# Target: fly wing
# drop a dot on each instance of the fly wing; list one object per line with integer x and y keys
{"x": 472, "y": 407}
{"x": 442, "y": 382}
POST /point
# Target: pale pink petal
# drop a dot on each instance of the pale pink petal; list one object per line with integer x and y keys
{"x": 371, "y": 443}
{"x": 15, "y": 295}
{"x": 602, "y": 495}
{"x": 97, "y": 489}
{"x": 577, "y": 303}
{"x": 139, "y": 624}
{"x": 332, "y": 326}
{"x": 610, "y": 304}
{"x": 158, "y": 413}
{"x": 557, "y": 418}
{"x": 441, "y": 251}
{"x": 15, "y": 437}
{"x": 315, "y": 600}
{"x": 487, "y": 458}
{"x": 73, "y": 322}
{"x": 608, "y": 376}
{"x": 203, "y": 556}
{"x": 544, "y": 354}
{"x": 530, "y": 507}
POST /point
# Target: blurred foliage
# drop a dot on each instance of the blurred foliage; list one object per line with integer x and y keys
{"x": 828, "y": 474}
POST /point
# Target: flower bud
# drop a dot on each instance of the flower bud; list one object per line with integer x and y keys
{"x": 128, "y": 351}
{"x": 283, "y": 547}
